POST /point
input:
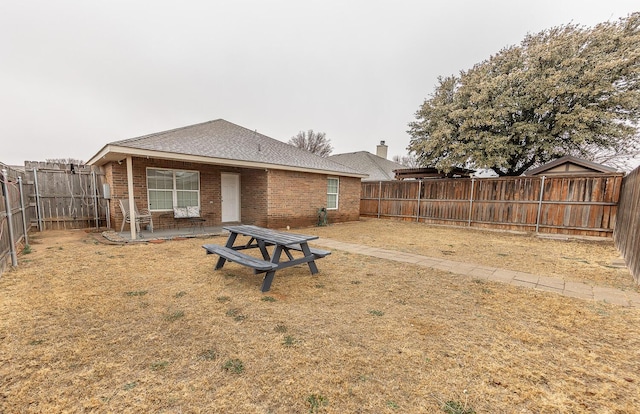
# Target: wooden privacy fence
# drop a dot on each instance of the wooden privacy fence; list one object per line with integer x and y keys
{"x": 15, "y": 218}
{"x": 66, "y": 196}
{"x": 575, "y": 205}
{"x": 51, "y": 197}
{"x": 627, "y": 232}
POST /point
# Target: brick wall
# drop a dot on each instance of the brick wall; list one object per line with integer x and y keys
{"x": 253, "y": 197}
{"x": 348, "y": 201}
{"x": 295, "y": 197}
{"x": 116, "y": 176}
{"x": 272, "y": 198}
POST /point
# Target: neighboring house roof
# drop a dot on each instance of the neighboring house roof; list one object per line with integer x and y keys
{"x": 430, "y": 172}
{"x": 378, "y": 168}
{"x": 569, "y": 165}
{"x": 220, "y": 142}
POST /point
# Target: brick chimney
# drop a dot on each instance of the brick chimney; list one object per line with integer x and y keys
{"x": 381, "y": 150}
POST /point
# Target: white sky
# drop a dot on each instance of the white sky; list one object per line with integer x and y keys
{"x": 75, "y": 75}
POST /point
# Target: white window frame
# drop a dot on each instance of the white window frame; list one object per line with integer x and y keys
{"x": 337, "y": 193}
{"x": 174, "y": 190}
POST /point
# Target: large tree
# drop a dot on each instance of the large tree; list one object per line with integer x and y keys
{"x": 567, "y": 90}
{"x": 315, "y": 142}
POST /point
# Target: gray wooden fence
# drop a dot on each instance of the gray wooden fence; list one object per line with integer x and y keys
{"x": 66, "y": 196}
{"x": 46, "y": 196}
{"x": 15, "y": 216}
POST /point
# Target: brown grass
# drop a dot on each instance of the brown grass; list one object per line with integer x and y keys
{"x": 587, "y": 260}
{"x": 152, "y": 328}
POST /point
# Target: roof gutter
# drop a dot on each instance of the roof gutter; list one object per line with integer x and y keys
{"x": 111, "y": 153}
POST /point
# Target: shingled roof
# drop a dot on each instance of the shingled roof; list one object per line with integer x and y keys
{"x": 220, "y": 142}
{"x": 569, "y": 165}
{"x": 378, "y": 168}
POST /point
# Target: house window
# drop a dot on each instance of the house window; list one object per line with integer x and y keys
{"x": 172, "y": 188}
{"x": 333, "y": 186}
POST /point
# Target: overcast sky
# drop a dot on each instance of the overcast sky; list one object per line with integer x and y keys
{"x": 76, "y": 75}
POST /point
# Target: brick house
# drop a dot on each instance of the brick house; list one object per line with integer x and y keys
{"x": 230, "y": 173}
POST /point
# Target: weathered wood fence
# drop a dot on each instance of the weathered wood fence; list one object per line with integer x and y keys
{"x": 15, "y": 216}
{"x": 66, "y": 196}
{"x": 627, "y": 232}
{"x": 574, "y": 205}
{"x": 48, "y": 197}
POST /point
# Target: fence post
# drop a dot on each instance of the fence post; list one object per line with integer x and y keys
{"x": 38, "y": 210}
{"x": 95, "y": 197}
{"x": 379, "y": 196}
{"x": 471, "y": 201}
{"x": 7, "y": 203}
{"x": 24, "y": 212}
{"x": 540, "y": 203}
{"x": 419, "y": 196}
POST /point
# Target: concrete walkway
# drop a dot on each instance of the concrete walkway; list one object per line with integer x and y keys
{"x": 512, "y": 277}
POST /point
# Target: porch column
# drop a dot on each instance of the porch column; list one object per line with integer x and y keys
{"x": 132, "y": 202}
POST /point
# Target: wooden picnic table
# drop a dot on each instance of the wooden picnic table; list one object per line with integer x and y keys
{"x": 290, "y": 244}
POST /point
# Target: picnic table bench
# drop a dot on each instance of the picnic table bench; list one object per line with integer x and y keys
{"x": 262, "y": 238}
{"x": 240, "y": 258}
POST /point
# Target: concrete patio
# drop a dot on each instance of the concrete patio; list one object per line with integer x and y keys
{"x": 163, "y": 234}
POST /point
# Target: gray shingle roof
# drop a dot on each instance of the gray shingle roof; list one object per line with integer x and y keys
{"x": 378, "y": 168}
{"x": 224, "y": 140}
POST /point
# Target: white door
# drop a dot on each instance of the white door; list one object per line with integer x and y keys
{"x": 230, "y": 184}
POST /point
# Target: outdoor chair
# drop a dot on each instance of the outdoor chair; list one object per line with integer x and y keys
{"x": 142, "y": 216}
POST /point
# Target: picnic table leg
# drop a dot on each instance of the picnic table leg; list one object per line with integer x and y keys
{"x": 230, "y": 241}
{"x": 263, "y": 249}
{"x": 307, "y": 253}
{"x": 268, "y": 277}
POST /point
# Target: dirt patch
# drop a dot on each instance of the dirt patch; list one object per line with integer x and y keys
{"x": 152, "y": 328}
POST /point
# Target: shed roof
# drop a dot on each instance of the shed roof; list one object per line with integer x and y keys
{"x": 220, "y": 142}
{"x": 569, "y": 165}
{"x": 378, "y": 168}
{"x": 431, "y": 172}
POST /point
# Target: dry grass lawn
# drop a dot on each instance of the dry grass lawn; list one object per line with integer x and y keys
{"x": 92, "y": 327}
